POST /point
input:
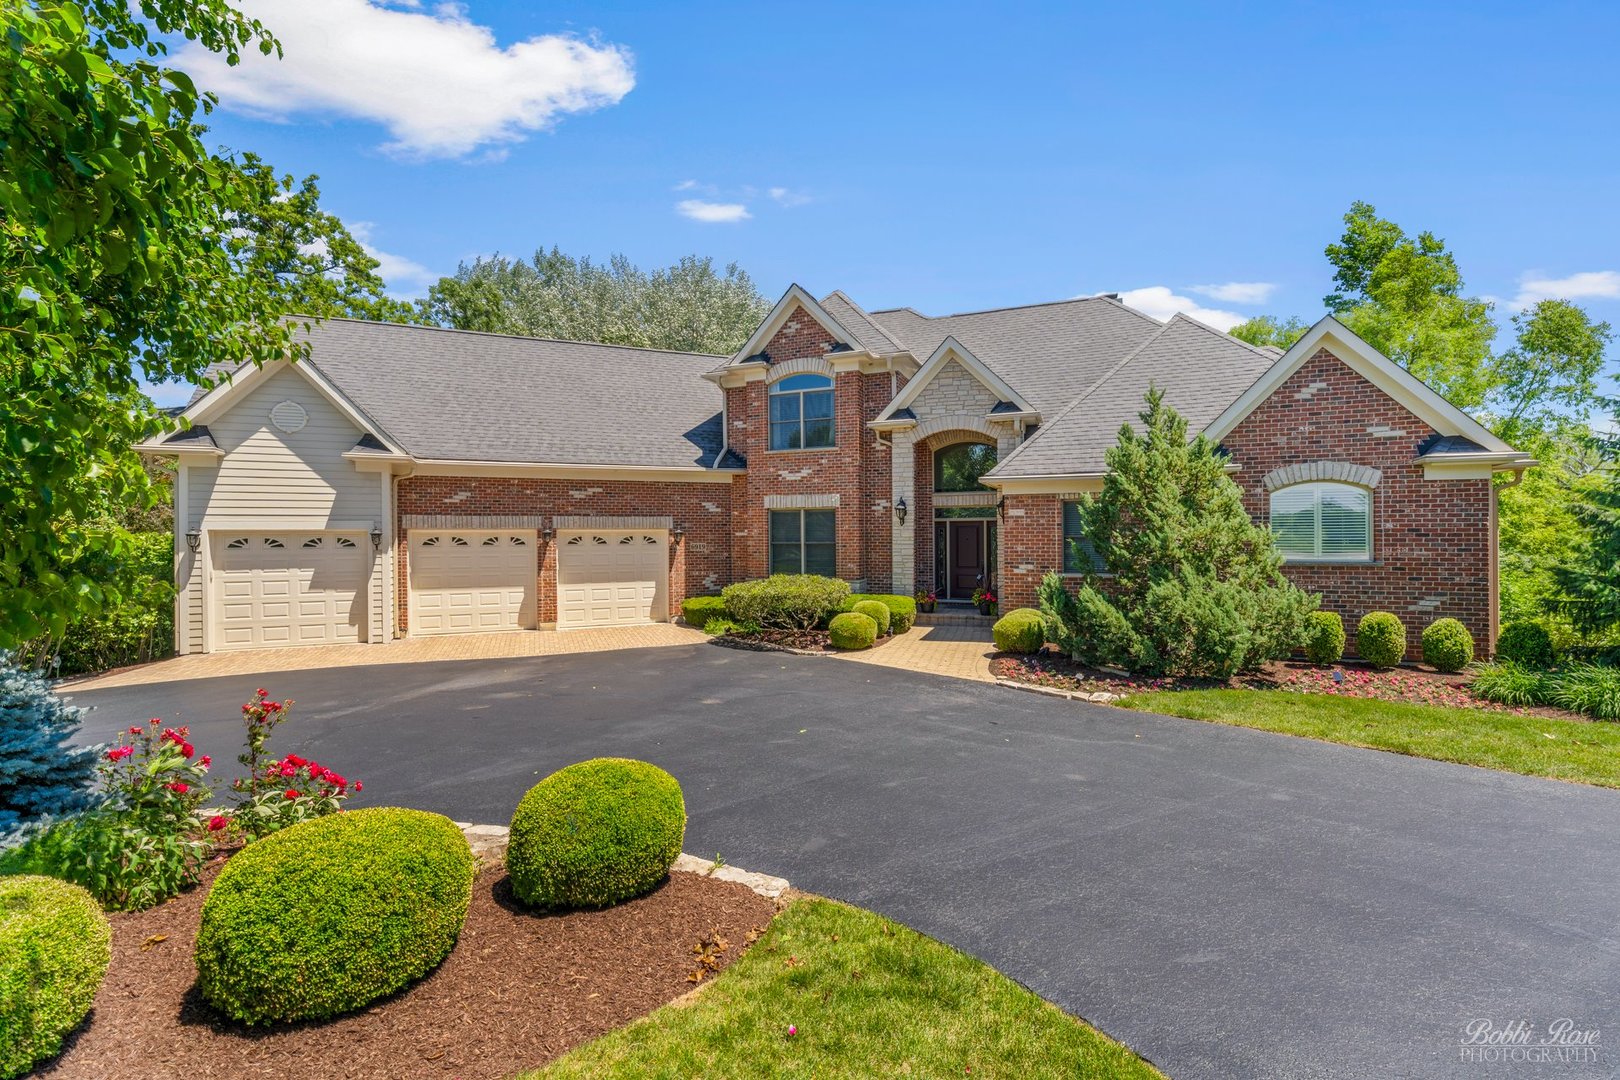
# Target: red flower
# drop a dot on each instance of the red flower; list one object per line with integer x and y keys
{"x": 119, "y": 753}
{"x": 179, "y": 787}
{"x": 186, "y": 750}
{"x": 290, "y": 793}
{"x": 154, "y": 721}
{"x": 135, "y": 731}
{"x": 357, "y": 785}
{"x": 295, "y": 759}
{"x": 205, "y": 761}
{"x": 217, "y": 822}
{"x": 288, "y": 769}
{"x": 262, "y": 692}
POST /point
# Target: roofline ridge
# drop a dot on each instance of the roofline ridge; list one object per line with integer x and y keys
{"x": 1022, "y": 307}
{"x": 505, "y": 337}
{"x": 867, "y": 315}
{"x": 1223, "y": 334}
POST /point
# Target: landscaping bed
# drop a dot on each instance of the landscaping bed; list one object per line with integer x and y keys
{"x": 519, "y": 989}
{"x": 795, "y": 641}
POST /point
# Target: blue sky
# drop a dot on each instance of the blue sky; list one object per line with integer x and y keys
{"x": 942, "y": 157}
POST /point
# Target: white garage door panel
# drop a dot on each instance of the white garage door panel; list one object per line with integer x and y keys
{"x": 467, "y": 582}
{"x": 285, "y": 588}
{"x": 612, "y": 578}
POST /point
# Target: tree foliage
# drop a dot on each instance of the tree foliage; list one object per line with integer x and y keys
{"x": 112, "y": 269}
{"x": 42, "y": 774}
{"x": 1195, "y": 588}
{"x": 1592, "y": 576}
{"x": 688, "y": 307}
{"x": 1265, "y": 330}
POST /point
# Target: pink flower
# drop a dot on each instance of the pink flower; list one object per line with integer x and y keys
{"x": 793, "y": 1029}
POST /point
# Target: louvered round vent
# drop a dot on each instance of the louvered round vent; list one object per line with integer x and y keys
{"x": 289, "y": 416}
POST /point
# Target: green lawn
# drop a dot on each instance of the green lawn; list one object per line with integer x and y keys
{"x": 869, "y": 998}
{"x": 1532, "y": 745}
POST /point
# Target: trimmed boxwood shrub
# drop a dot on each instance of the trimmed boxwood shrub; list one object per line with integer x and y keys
{"x": 852, "y": 630}
{"x": 595, "y": 833}
{"x": 785, "y": 601}
{"x": 55, "y": 946}
{"x": 1381, "y": 639}
{"x": 329, "y": 915}
{"x": 877, "y": 611}
{"x": 1448, "y": 645}
{"x": 1022, "y": 630}
{"x": 1526, "y": 643}
{"x": 902, "y": 609}
{"x": 1324, "y": 637}
{"x": 699, "y": 610}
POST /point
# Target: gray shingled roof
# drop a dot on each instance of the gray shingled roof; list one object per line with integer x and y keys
{"x": 1200, "y": 370}
{"x": 1049, "y": 353}
{"x": 465, "y": 396}
{"x": 868, "y": 334}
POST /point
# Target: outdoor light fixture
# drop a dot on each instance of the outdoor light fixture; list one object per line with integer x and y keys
{"x": 376, "y": 539}
{"x": 900, "y": 511}
{"x": 677, "y": 532}
{"x": 548, "y": 534}
{"x": 194, "y": 540}
{"x": 1001, "y": 508}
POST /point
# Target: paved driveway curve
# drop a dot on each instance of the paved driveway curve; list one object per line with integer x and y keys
{"x": 1230, "y": 903}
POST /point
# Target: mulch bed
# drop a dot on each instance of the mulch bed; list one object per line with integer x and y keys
{"x": 518, "y": 990}
{"x": 795, "y": 641}
{"x": 1413, "y": 684}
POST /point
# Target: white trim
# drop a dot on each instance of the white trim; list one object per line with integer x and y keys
{"x": 694, "y": 474}
{"x": 285, "y": 523}
{"x": 1370, "y": 364}
{"x": 802, "y": 502}
{"x": 385, "y": 555}
{"x": 201, "y": 454}
{"x": 795, "y": 295}
{"x": 948, "y": 350}
{"x": 222, "y": 398}
{"x": 182, "y": 552}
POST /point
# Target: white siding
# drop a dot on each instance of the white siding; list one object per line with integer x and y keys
{"x": 286, "y": 480}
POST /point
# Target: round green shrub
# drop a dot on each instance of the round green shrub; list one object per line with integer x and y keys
{"x": 595, "y": 833}
{"x": 1324, "y": 637}
{"x": 699, "y": 611}
{"x": 1022, "y": 630}
{"x": 877, "y": 611}
{"x": 902, "y": 609}
{"x": 1448, "y": 645}
{"x": 852, "y": 630}
{"x": 55, "y": 946}
{"x": 331, "y": 914}
{"x": 1526, "y": 643}
{"x": 1381, "y": 639}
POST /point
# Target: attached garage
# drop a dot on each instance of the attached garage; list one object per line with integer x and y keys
{"x": 612, "y": 577}
{"x": 469, "y": 582}
{"x": 289, "y": 588}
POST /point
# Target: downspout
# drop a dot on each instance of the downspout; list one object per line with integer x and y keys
{"x": 725, "y": 428}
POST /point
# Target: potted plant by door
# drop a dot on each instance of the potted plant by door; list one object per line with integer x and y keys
{"x": 926, "y": 599}
{"x": 986, "y": 599}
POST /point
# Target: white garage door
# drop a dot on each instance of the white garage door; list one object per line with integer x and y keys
{"x": 612, "y": 578}
{"x": 469, "y": 582}
{"x": 289, "y": 588}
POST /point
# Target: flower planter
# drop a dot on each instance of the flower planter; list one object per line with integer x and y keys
{"x": 987, "y": 608}
{"x": 925, "y": 606}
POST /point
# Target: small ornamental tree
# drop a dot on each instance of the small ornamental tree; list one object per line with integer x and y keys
{"x": 41, "y": 774}
{"x": 1196, "y": 588}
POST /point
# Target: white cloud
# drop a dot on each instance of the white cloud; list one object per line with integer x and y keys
{"x": 440, "y": 83}
{"x": 406, "y": 278}
{"x": 787, "y": 197}
{"x": 1586, "y": 285}
{"x": 700, "y": 210}
{"x": 1237, "y": 292}
{"x": 1161, "y": 303}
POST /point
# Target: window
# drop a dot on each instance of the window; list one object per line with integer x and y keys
{"x": 959, "y": 466}
{"x": 1079, "y": 556}
{"x": 801, "y": 412}
{"x": 1323, "y": 521}
{"x": 803, "y": 542}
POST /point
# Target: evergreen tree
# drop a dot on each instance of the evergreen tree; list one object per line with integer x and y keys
{"x": 1592, "y": 579}
{"x": 1196, "y": 588}
{"x": 41, "y": 773}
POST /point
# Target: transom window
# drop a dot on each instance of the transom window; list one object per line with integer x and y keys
{"x": 804, "y": 542}
{"x": 1323, "y": 521}
{"x": 958, "y": 467}
{"x": 801, "y": 412}
{"x": 1079, "y": 554}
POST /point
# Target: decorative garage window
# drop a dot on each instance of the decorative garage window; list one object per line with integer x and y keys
{"x": 1324, "y": 521}
{"x": 432, "y": 541}
{"x": 272, "y": 542}
{"x": 572, "y": 540}
{"x": 314, "y": 541}
{"x": 491, "y": 541}
{"x": 459, "y": 541}
{"x": 517, "y": 541}
{"x": 239, "y": 543}
{"x": 1079, "y": 555}
{"x": 801, "y": 412}
{"x": 804, "y": 542}
{"x": 344, "y": 542}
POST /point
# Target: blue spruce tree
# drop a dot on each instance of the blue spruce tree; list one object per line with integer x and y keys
{"x": 41, "y": 772}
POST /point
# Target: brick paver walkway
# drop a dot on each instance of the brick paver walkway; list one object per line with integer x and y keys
{"x": 962, "y": 652}
{"x": 407, "y": 651}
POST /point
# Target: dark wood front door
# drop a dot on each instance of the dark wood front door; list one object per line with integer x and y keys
{"x": 966, "y": 568}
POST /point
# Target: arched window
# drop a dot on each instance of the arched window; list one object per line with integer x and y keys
{"x": 958, "y": 467}
{"x": 801, "y": 412}
{"x": 1327, "y": 521}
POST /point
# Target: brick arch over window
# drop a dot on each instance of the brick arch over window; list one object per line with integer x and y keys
{"x": 1306, "y": 471}
{"x": 956, "y": 424}
{"x": 808, "y": 365}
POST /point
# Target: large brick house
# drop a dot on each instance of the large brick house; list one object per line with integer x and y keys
{"x": 409, "y": 480}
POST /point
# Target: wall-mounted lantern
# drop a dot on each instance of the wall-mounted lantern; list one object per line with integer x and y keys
{"x": 677, "y": 532}
{"x": 194, "y": 540}
{"x": 900, "y": 511}
{"x": 376, "y": 539}
{"x": 548, "y": 534}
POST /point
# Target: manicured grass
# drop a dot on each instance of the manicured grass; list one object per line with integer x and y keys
{"x": 869, "y": 998}
{"x": 1535, "y": 746}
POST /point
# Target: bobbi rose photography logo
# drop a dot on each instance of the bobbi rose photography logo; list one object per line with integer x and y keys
{"x": 1562, "y": 1041}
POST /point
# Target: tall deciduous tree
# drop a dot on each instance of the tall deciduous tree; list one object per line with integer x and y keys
{"x": 1269, "y": 330}
{"x": 688, "y": 307}
{"x": 1196, "y": 586}
{"x": 112, "y": 268}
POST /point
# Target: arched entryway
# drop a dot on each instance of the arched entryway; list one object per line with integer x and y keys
{"x": 963, "y": 535}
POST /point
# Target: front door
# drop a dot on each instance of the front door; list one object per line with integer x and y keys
{"x": 965, "y": 571}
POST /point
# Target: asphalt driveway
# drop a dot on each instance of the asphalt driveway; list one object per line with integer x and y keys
{"x": 1227, "y": 902}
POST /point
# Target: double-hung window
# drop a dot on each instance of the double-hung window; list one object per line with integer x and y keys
{"x": 801, "y": 412}
{"x": 1323, "y": 521}
{"x": 804, "y": 542}
{"x": 1079, "y": 554}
